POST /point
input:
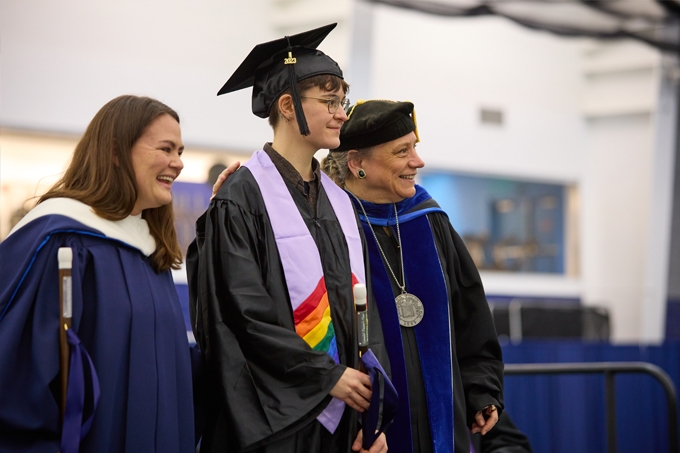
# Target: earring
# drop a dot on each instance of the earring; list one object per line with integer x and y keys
{"x": 361, "y": 173}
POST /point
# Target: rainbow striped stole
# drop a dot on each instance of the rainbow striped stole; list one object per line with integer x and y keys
{"x": 314, "y": 324}
{"x": 302, "y": 263}
{"x": 313, "y": 321}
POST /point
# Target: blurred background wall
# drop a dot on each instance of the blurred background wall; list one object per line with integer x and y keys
{"x": 493, "y": 100}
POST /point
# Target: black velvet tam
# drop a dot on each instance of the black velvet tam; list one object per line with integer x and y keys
{"x": 374, "y": 122}
{"x": 272, "y": 67}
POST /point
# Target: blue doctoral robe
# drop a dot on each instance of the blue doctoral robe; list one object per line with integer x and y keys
{"x": 129, "y": 319}
{"x": 449, "y": 366}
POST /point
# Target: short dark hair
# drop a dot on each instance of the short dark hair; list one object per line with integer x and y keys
{"x": 327, "y": 82}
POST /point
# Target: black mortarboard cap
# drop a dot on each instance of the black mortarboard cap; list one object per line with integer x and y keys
{"x": 272, "y": 67}
{"x": 373, "y": 122}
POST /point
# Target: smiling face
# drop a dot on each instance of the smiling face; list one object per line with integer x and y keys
{"x": 157, "y": 163}
{"x": 324, "y": 127}
{"x": 390, "y": 169}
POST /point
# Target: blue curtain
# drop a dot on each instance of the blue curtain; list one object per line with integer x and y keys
{"x": 566, "y": 413}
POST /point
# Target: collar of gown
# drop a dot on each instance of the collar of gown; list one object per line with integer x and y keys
{"x": 132, "y": 230}
{"x": 385, "y": 211}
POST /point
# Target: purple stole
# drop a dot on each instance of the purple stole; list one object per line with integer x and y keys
{"x": 302, "y": 263}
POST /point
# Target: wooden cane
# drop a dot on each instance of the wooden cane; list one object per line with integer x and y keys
{"x": 65, "y": 257}
{"x": 362, "y": 319}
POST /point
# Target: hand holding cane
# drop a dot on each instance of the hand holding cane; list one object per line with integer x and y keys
{"x": 65, "y": 257}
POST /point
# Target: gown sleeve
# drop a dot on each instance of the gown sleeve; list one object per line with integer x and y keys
{"x": 29, "y": 347}
{"x": 477, "y": 348}
{"x": 269, "y": 380}
{"x": 126, "y": 316}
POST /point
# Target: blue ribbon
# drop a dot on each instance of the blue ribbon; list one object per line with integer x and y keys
{"x": 372, "y": 424}
{"x": 81, "y": 380}
{"x": 424, "y": 279}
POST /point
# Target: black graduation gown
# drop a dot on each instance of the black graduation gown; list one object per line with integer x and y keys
{"x": 265, "y": 385}
{"x": 475, "y": 351}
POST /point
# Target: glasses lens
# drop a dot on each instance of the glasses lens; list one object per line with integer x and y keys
{"x": 345, "y": 103}
{"x": 333, "y": 103}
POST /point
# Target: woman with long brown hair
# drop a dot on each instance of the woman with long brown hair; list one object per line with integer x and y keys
{"x": 113, "y": 209}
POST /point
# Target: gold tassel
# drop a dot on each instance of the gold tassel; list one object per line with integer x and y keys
{"x": 359, "y": 102}
{"x": 413, "y": 116}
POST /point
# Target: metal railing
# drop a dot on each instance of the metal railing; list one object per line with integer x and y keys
{"x": 609, "y": 369}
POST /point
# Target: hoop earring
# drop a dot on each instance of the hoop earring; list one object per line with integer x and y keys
{"x": 361, "y": 173}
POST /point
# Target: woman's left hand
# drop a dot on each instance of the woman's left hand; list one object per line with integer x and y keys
{"x": 223, "y": 177}
{"x": 483, "y": 425}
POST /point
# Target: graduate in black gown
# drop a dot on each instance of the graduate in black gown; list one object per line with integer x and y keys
{"x": 444, "y": 354}
{"x": 272, "y": 269}
{"x": 112, "y": 209}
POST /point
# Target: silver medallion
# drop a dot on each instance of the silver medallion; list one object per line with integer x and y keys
{"x": 410, "y": 309}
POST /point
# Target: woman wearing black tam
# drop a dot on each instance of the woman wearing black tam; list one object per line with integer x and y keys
{"x": 444, "y": 354}
{"x": 272, "y": 270}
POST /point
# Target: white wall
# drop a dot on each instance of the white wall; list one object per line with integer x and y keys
{"x": 628, "y": 186}
{"x": 61, "y": 61}
{"x": 451, "y": 68}
{"x": 616, "y": 193}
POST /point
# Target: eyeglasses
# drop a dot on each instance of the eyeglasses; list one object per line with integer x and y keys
{"x": 333, "y": 102}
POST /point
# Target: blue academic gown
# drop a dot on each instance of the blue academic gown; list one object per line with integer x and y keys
{"x": 129, "y": 319}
